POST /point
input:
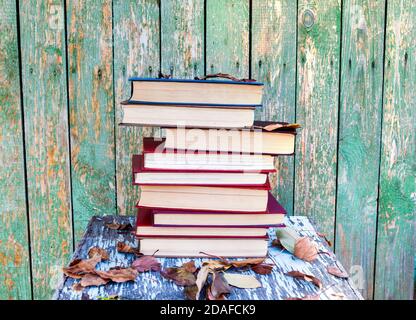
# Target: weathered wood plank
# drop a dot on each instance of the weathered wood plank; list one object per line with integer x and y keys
{"x": 136, "y": 53}
{"x": 227, "y": 33}
{"x": 396, "y": 236}
{"x": 274, "y": 63}
{"x": 151, "y": 285}
{"x": 182, "y": 42}
{"x": 90, "y": 59}
{"x": 14, "y": 244}
{"x": 359, "y": 135}
{"x": 317, "y": 111}
{"x": 42, "y": 35}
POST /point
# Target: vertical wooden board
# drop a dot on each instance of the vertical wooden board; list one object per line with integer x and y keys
{"x": 42, "y": 35}
{"x": 396, "y": 237}
{"x": 359, "y": 135}
{"x": 182, "y": 38}
{"x": 90, "y": 61}
{"x": 227, "y": 33}
{"x": 136, "y": 53}
{"x": 274, "y": 63}
{"x": 317, "y": 111}
{"x": 14, "y": 245}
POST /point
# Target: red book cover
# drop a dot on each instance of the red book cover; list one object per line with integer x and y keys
{"x": 152, "y": 145}
{"x": 137, "y": 165}
{"x": 146, "y": 218}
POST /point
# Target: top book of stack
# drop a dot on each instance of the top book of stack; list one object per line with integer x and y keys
{"x": 192, "y": 103}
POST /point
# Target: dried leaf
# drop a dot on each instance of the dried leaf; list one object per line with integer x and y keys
{"x": 77, "y": 268}
{"x": 146, "y": 263}
{"x": 179, "y": 276}
{"x": 337, "y": 272}
{"x": 323, "y": 235}
{"x": 247, "y": 262}
{"x": 125, "y": 248}
{"x": 201, "y": 278}
{"x": 262, "y": 268}
{"x": 307, "y": 277}
{"x": 89, "y": 280}
{"x": 190, "y": 266}
{"x": 119, "y": 274}
{"x": 217, "y": 264}
{"x": 242, "y": 280}
{"x": 97, "y": 251}
{"x": 210, "y": 295}
{"x": 119, "y": 226}
{"x": 287, "y": 237}
{"x": 219, "y": 286}
{"x": 305, "y": 249}
{"x": 191, "y": 292}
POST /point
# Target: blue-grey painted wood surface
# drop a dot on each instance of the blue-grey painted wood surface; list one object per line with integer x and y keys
{"x": 151, "y": 285}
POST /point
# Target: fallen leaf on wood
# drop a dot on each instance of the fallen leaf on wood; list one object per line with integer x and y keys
{"x": 91, "y": 279}
{"x": 242, "y": 280}
{"x": 287, "y": 237}
{"x": 201, "y": 278}
{"x": 97, "y": 251}
{"x": 211, "y": 296}
{"x": 146, "y": 263}
{"x": 179, "y": 275}
{"x": 216, "y": 264}
{"x": 191, "y": 292}
{"x": 323, "y": 235}
{"x": 247, "y": 262}
{"x": 262, "y": 268}
{"x": 305, "y": 249}
{"x": 219, "y": 286}
{"x": 77, "y": 268}
{"x": 308, "y": 297}
{"x": 307, "y": 277}
{"x": 119, "y": 274}
{"x": 119, "y": 226}
{"x": 337, "y": 272}
{"x": 190, "y": 266}
{"x": 125, "y": 248}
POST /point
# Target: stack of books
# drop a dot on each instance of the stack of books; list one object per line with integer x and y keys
{"x": 204, "y": 186}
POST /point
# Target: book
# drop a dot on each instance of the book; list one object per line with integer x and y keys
{"x": 255, "y": 140}
{"x": 196, "y": 247}
{"x": 272, "y": 216}
{"x": 185, "y": 115}
{"x": 142, "y": 176}
{"x": 196, "y": 92}
{"x": 157, "y": 157}
{"x": 204, "y": 198}
{"x": 146, "y": 229}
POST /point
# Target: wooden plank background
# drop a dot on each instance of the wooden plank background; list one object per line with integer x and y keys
{"x": 344, "y": 69}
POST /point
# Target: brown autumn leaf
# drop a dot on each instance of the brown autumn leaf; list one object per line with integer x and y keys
{"x": 146, "y": 263}
{"x": 305, "y": 249}
{"x": 97, "y": 251}
{"x": 190, "y": 266}
{"x": 125, "y": 248}
{"x": 119, "y": 226}
{"x": 90, "y": 279}
{"x": 118, "y": 274}
{"x": 219, "y": 285}
{"x": 323, "y": 235}
{"x": 262, "y": 268}
{"x": 78, "y": 267}
{"x": 179, "y": 275}
{"x": 337, "y": 272}
{"x": 210, "y": 295}
{"x": 307, "y": 277}
{"x": 217, "y": 264}
{"x": 247, "y": 262}
{"x": 191, "y": 292}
